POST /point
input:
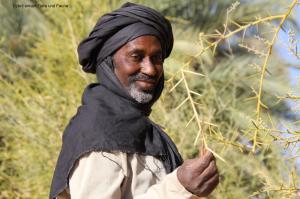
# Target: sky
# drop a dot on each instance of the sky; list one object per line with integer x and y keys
{"x": 294, "y": 73}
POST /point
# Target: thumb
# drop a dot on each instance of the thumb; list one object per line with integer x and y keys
{"x": 202, "y": 151}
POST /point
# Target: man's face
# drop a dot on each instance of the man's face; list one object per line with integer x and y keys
{"x": 139, "y": 66}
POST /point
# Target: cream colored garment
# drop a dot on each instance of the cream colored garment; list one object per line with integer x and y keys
{"x": 117, "y": 175}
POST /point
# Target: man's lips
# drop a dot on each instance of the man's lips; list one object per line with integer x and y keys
{"x": 146, "y": 84}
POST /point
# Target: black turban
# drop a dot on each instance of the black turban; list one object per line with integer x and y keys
{"x": 115, "y": 29}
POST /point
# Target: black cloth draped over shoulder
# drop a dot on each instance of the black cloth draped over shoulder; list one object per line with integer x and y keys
{"x": 108, "y": 118}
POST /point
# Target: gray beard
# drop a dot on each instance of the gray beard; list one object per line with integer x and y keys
{"x": 140, "y": 96}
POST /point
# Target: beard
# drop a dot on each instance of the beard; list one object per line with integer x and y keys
{"x": 141, "y": 96}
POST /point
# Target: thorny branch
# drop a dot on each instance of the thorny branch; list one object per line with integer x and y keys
{"x": 263, "y": 72}
{"x": 219, "y": 37}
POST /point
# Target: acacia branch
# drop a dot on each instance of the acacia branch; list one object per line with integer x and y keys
{"x": 263, "y": 72}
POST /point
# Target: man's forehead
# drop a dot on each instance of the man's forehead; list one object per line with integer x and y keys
{"x": 144, "y": 43}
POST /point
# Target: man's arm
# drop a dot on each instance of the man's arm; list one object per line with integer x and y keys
{"x": 169, "y": 187}
{"x": 99, "y": 175}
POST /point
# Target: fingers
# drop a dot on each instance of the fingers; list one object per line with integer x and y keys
{"x": 208, "y": 186}
{"x": 200, "y": 175}
{"x": 207, "y": 173}
{"x": 202, "y": 150}
{"x": 207, "y": 155}
{"x": 207, "y": 181}
{"x": 210, "y": 171}
{"x": 207, "y": 170}
{"x": 203, "y": 162}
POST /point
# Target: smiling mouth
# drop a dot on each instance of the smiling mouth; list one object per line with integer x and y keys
{"x": 146, "y": 84}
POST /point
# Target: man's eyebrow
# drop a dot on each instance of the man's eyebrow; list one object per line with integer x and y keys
{"x": 141, "y": 51}
{"x": 136, "y": 50}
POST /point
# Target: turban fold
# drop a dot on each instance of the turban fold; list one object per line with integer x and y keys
{"x": 115, "y": 29}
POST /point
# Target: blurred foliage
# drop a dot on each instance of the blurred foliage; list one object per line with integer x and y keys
{"x": 41, "y": 84}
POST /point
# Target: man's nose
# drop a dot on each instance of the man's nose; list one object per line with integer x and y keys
{"x": 148, "y": 68}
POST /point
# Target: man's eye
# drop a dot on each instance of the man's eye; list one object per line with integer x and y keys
{"x": 136, "y": 57}
{"x": 158, "y": 59}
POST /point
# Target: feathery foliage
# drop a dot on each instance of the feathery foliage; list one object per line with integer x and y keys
{"x": 226, "y": 89}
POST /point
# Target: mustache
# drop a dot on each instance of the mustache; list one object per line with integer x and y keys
{"x": 143, "y": 77}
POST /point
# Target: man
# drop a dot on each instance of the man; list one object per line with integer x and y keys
{"x": 111, "y": 150}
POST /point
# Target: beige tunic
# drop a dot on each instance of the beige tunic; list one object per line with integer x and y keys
{"x": 117, "y": 175}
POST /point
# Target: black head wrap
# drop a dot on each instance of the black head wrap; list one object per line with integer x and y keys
{"x": 115, "y": 29}
{"x": 109, "y": 119}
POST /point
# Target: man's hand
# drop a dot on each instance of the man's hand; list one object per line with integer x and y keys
{"x": 199, "y": 176}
